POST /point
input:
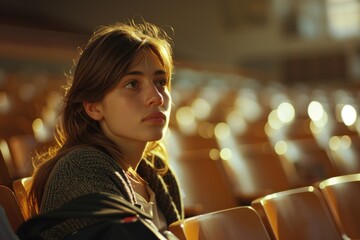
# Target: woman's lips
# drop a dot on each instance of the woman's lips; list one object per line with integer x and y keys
{"x": 155, "y": 117}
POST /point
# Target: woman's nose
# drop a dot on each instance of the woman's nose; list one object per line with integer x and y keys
{"x": 154, "y": 96}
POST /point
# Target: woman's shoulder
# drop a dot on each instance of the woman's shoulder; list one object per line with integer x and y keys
{"x": 86, "y": 157}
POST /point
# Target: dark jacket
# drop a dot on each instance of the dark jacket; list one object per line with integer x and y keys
{"x": 89, "y": 170}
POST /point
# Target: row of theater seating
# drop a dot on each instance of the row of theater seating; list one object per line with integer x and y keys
{"x": 325, "y": 210}
{"x": 224, "y": 143}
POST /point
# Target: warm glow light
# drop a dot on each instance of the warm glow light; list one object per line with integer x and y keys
{"x": 222, "y": 131}
{"x": 286, "y": 112}
{"x": 40, "y": 130}
{"x": 206, "y": 130}
{"x": 315, "y": 111}
{"x": 281, "y": 147}
{"x": 348, "y": 115}
{"x": 274, "y": 121}
{"x": 336, "y": 142}
{"x": 236, "y": 122}
{"x": 201, "y": 108}
{"x": 249, "y": 107}
{"x": 185, "y": 116}
{"x": 214, "y": 154}
{"x": 226, "y": 153}
{"x": 343, "y": 17}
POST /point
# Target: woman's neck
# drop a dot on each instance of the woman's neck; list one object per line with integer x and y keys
{"x": 132, "y": 154}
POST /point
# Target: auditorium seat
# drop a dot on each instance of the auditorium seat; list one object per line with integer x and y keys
{"x": 255, "y": 170}
{"x": 21, "y": 189}
{"x": 342, "y": 194}
{"x": 230, "y": 224}
{"x": 11, "y": 206}
{"x": 203, "y": 182}
{"x": 311, "y": 162}
{"x": 297, "y": 214}
{"x": 345, "y": 153}
{"x": 7, "y": 169}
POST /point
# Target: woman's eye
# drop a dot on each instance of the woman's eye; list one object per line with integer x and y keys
{"x": 132, "y": 84}
{"x": 162, "y": 83}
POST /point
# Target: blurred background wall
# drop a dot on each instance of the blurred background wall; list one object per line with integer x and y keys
{"x": 281, "y": 40}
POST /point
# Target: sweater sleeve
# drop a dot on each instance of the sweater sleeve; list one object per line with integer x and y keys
{"x": 81, "y": 172}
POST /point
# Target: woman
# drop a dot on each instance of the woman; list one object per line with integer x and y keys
{"x": 116, "y": 109}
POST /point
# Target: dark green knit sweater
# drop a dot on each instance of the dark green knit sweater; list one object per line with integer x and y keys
{"x": 89, "y": 170}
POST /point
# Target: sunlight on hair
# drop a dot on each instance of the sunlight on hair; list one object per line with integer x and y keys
{"x": 222, "y": 131}
{"x": 348, "y": 115}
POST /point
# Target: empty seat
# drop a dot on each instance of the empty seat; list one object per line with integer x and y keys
{"x": 255, "y": 170}
{"x": 22, "y": 148}
{"x": 342, "y": 194}
{"x": 311, "y": 162}
{"x": 7, "y": 168}
{"x": 203, "y": 182}
{"x": 6, "y": 231}
{"x": 10, "y": 204}
{"x": 345, "y": 153}
{"x": 230, "y": 224}
{"x": 21, "y": 189}
{"x": 297, "y": 214}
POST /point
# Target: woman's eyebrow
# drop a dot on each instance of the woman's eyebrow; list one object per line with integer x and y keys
{"x": 140, "y": 73}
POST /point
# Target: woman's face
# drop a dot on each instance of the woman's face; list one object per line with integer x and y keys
{"x": 138, "y": 108}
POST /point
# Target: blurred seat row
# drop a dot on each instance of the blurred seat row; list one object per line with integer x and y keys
{"x": 325, "y": 210}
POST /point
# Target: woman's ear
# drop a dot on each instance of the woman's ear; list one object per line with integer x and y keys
{"x": 93, "y": 110}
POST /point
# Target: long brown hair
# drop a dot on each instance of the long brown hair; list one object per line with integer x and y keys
{"x": 101, "y": 64}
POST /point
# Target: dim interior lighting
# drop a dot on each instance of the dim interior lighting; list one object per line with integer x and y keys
{"x": 281, "y": 147}
{"x": 222, "y": 131}
{"x": 185, "y": 116}
{"x": 348, "y": 115}
{"x": 201, "y": 108}
{"x": 226, "y": 153}
{"x": 214, "y": 154}
{"x": 286, "y": 112}
{"x": 315, "y": 111}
